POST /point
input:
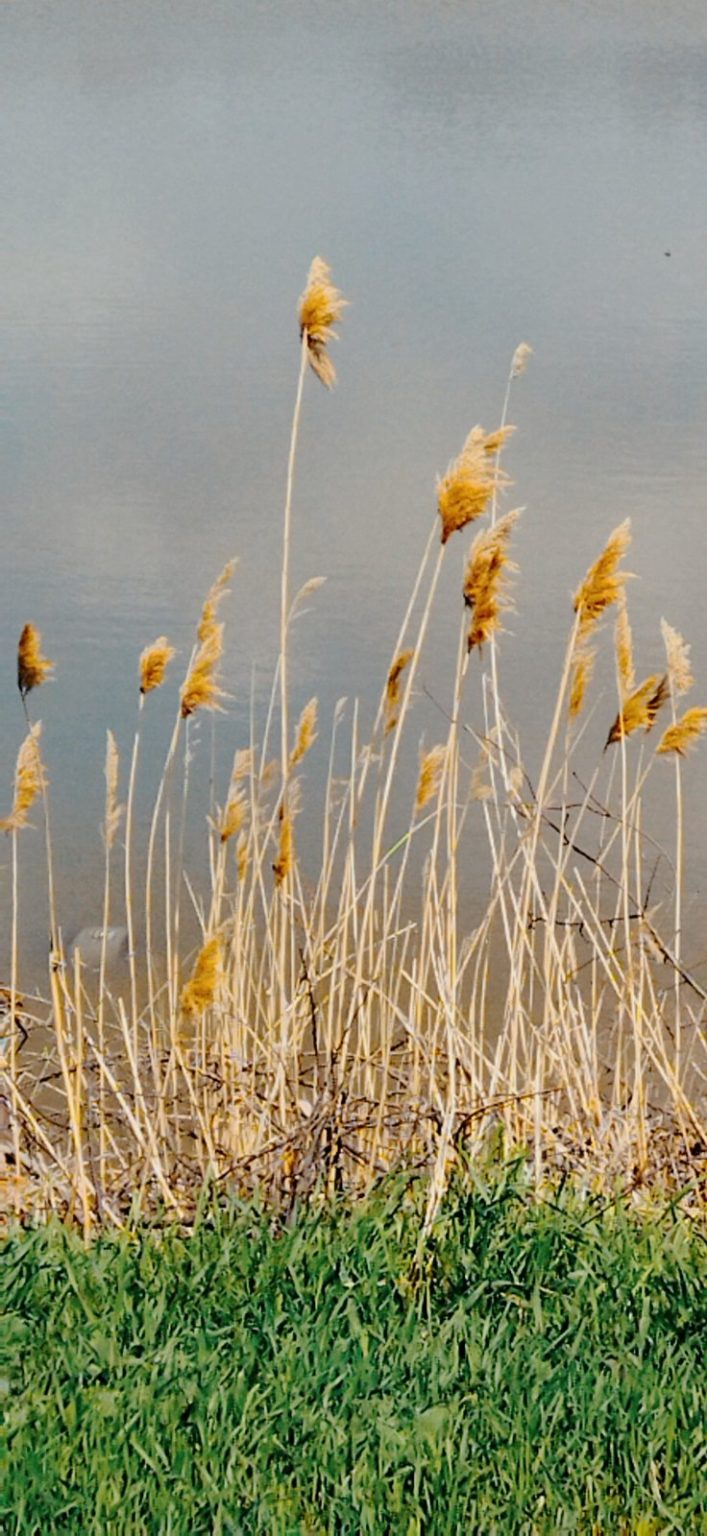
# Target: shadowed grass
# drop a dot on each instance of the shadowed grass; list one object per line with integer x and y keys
{"x": 541, "y": 1371}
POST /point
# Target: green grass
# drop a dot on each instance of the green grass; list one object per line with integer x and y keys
{"x": 542, "y": 1370}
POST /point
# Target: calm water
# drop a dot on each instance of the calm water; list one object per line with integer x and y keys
{"x": 477, "y": 175}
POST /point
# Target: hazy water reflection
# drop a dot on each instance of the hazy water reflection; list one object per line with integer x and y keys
{"x": 476, "y": 176}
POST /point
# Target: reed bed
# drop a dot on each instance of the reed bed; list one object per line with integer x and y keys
{"x": 335, "y": 1022}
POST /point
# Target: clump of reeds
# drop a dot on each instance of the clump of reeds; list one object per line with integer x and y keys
{"x": 465, "y": 491}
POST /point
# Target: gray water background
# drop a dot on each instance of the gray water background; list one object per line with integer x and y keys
{"x": 477, "y": 174}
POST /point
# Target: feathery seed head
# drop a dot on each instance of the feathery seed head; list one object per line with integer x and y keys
{"x": 154, "y": 662}
{"x": 639, "y": 710}
{"x": 431, "y": 765}
{"x": 582, "y": 669}
{"x": 624, "y": 651}
{"x": 33, "y": 668}
{"x": 685, "y": 733}
{"x": 320, "y": 308}
{"x": 678, "y": 654}
{"x": 233, "y": 815}
{"x": 199, "y": 991}
{"x": 604, "y": 582}
{"x": 485, "y": 590}
{"x": 200, "y": 689}
{"x": 392, "y": 688}
{"x": 521, "y": 358}
{"x": 284, "y": 862}
{"x": 464, "y": 492}
{"x": 214, "y": 596}
{"x": 29, "y": 781}
{"x": 306, "y": 733}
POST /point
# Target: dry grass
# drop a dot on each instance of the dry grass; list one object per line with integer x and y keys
{"x": 340, "y": 1018}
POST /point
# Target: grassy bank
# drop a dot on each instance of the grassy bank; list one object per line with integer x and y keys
{"x": 540, "y": 1369}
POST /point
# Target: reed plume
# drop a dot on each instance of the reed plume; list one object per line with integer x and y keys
{"x": 604, "y": 582}
{"x": 33, "y": 668}
{"x": 199, "y": 991}
{"x": 392, "y": 688}
{"x": 485, "y": 590}
{"x": 320, "y": 308}
{"x": 464, "y": 492}
{"x": 113, "y": 810}
{"x": 639, "y": 710}
{"x": 624, "y": 651}
{"x": 582, "y": 670}
{"x": 685, "y": 733}
{"x": 306, "y": 733}
{"x": 431, "y": 765}
{"x": 154, "y": 662}
{"x": 521, "y": 358}
{"x": 29, "y": 781}
{"x": 233, "y": 815}
{"x": 284, "y": 863}
{"x": 680, "y": 676}
{"x": 214, "y": 596}
{"x": 200, "y": 689}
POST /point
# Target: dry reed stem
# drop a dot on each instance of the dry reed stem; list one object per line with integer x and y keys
{"x": 320, "y": 309}
{"x": 113, "y": 811}
{"x": 465, "y": 491}
{"x": 485, "y": 580}
{"x": 685, "y": 733}
{"x": 154, "y": 661}
{"x": 33, "y": 668}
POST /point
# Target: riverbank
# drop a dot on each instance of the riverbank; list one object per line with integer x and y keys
{"x": 536, "y": 1367}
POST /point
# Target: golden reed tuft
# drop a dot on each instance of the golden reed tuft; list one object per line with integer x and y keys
{"x": 604, "y": 582}
{"x": 464, "y": 492}
{"x": 624, "y": 651}
{"x": 306, "y": 733}
{"x": 431, "y": 765}
{"x": 521, "y": 358}
{"x": 233, "y": 816}
{"x": 29, "y": 781}
{"x": 678, "y": 656}
{"x": 199, "y": 991}
{"x": 320, "y": 308}
{"x": 154, "y": 662}
{"x": 200, "y": 689}
{"x": 284, "y": 863}
{"x": 685, "y": 733}
{"x": 582, "y": 670}
{"x": 392, "y": 688}
{"x": 639, "y": 710}
{"x": 33, "y": 668}
{"x": 485, "y": 578}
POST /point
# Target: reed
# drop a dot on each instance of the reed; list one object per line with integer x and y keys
{"x": 340, "y": 1014}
